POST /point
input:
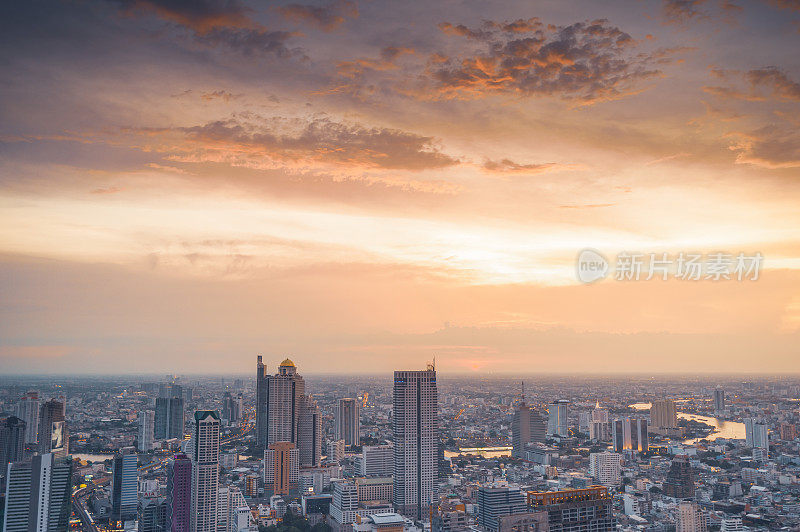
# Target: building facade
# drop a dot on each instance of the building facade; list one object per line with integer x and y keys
{"x": 205, "y": 470}
{"x": 348, "y": 421}
{"x": 415, "y": 435}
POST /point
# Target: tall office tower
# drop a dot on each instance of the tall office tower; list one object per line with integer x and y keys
{"x": 309, "y": 433}
{"x": 262, "y": 403}
{"x": 756, "y": 433}
{"x": 527, "y": 426}
{"x": 146, "y": 430}
{"x": 497, "y": 501}
{"x": 28, "y": 411}
{"x": 12, "y": 442}
{"x": 690, "y": 518}
{"x": 223, "y": 508}
{"x": 630, "y": 434}
{"x": 204, "y": 447}
{"x": 280, "y": 398}
{"x": 580, "y": 510}
{"x": 169, "y": 418}
{"x": 415, "y": 434}
{"x": 348, "y": 422}
{"x": 605, "y": 468}
{"x": 124, "y": 487}
{"x": 557, "y": 419}
{"x": 680, "y": 480}
{"x": 238, "y": 510}
{"x": 38, "y": 495}
{"x": 600, "y": 431}
{"x": 230, "y": 408}
{"x": 179, "y": 494}
{"x": 53, "y": 435}
{"x": 152, "y": 514}
{"x": 719, "y": 401}
{"x": 599, "y": 415}
{"x": 281, "y": 468}
{"x": 663, "y": 414}
{"x": 376, "y": 461}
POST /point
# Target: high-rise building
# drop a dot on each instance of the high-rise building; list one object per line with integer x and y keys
{"x": 348, "y": 421}
{"x": 579, "y": 510}
{"x": 231, "y": 411}
{"x": 12, "y": 442}
{"x": 690, "y": 518}
{"x": 663, "y": 414}
{"x": 152, "y": 514}
{"x": 28, "y": 411}
{"x": 599, "y": 414}
{"x": 281, "y": 468}
{"x": 309, "y": 433}
{"x": 557, "y": 418}
{"x": 606, "y": 468}
{"x": 239, "y": 517}
{"x": 38, "y": 495}
{"x": 756, "y": 433}
{"x": 204, "y": 446}
{"x": 336, "y": 452}
{"x": 169, "y": 417}
{"x": 788, "y": 431}
{"x": 679, "y": 483}
{"x": 600, "y": 431}
{"x": 285, "y": 413}
{"x": 415, "y": 434}
{"x": 146, "y": 430}
{"x": 179, "y": 494}
{"x": 376, "y": 461}
{"x": 497, "y": 501}
{"x": 630, "y": 434}
{"x": 527, "y": 426}
{"x": 53, "y": 435}
{"x": 719, "y": 401}
{"x": 124, "y": 487}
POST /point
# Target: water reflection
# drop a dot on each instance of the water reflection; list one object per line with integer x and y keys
{"x": 722, "y": 428}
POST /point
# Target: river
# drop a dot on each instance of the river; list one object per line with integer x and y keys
{"x": 722, "y": 429}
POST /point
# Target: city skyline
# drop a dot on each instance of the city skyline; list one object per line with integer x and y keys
{"x": 352, "y": 184}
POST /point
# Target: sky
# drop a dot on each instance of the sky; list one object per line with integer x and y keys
{"x": 362, "y": 185}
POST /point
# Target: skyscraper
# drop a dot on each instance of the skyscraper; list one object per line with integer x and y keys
{"x": 285, "y": 413}
{"x": 348, "y": 421}
{"x": 495, "y": 502}
{"x": 38, "y": 495}
{"x": 630, "y": 434}
{"x": 179, "y": 494}
{"x": 309, "y": 433}
{"x": 756, "y": 433}
{"x": 557, "y": 419}
{"x": 146, "y": 430}
{"x": 169, "y": 418}
{"x": 680, "y": 480}
{"x": 12, "y": 442}
{"x": 124, "y": 487}
{"x": 204, "y": 446}
{"x": 415, "y": 434}
{"x": 719, "y": 401}
{"x": 28, "y": 411}
{"x": 53, "y": 435}
{"x": 663, "y": 414}
{"x": 281, "y": 468}
{"x": 527, "y": 426}
{"x": 230, "y": 408}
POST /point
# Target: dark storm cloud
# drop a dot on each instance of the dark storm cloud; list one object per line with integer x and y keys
{"x": 586, "y": 61}
{"x": 327, "y": 16}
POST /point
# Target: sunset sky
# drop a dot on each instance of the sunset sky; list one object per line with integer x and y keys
{"x": 362, "y": 185}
